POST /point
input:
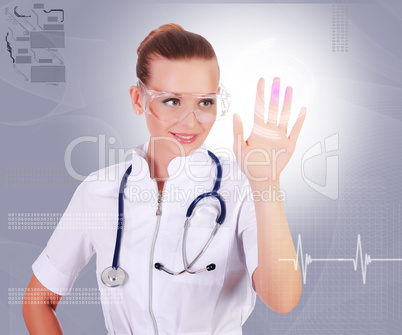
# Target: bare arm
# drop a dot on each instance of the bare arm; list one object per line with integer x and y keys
{"x": 39, "y": 309}
{"x": 262, "y": 158}
{"x": 277, "y": 283}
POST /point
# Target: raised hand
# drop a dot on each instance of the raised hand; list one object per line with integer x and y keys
{"x": 264, "y": 155}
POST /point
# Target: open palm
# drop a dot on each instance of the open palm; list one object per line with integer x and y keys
{"x": 268, "y": 149}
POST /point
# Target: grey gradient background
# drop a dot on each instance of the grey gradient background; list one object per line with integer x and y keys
{"x": 357, "y": 95}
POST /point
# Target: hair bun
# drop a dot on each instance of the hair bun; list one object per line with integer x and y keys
{"x": 161, "y": 29}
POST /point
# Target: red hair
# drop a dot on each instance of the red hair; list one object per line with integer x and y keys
{"x": 170, "y": 41}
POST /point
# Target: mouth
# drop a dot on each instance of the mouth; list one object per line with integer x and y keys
{"x": 184, "y": 138}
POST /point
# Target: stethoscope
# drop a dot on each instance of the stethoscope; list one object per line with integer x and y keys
{"x": 115, "y": 276}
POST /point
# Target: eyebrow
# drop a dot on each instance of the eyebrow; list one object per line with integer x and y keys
{"x": 180, "y": 94}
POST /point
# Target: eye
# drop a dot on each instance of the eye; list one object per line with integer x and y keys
{"x": 207, "y": 103}
{"x": 172, "y": 102}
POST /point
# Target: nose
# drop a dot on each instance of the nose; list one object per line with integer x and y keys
{"x": 189, "y": 120}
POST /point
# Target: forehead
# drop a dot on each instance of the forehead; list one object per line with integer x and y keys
{"x": 184, "y": 76}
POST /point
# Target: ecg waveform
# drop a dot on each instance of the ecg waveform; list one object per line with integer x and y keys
{"x": 364, "y": 262}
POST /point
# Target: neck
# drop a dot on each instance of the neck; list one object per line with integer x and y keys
{"x": 158, "y": 160}
{"x": 158, "y": 157}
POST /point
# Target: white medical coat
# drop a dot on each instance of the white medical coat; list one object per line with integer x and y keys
{"x": 210, "y": 302}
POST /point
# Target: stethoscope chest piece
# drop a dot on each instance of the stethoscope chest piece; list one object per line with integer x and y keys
{"x": 113, "y": 277}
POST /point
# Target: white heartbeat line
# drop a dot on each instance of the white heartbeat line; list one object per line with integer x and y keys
{"x": 309, "y": 260}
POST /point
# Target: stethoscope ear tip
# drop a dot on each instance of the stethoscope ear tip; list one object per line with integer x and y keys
{"x": 211, "y": 267}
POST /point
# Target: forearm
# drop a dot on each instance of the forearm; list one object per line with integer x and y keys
{"x": 39, "y": 309}
{"x": 277, "y": 283}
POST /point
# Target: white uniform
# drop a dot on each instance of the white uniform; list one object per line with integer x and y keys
{"x": 210, "y": 302}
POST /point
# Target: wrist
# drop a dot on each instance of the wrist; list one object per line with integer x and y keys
{"x": 266, "y": 191}
{"x": 262, "y": 184}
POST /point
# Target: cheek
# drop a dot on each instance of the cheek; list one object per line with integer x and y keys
{"x": 155, "y": 127}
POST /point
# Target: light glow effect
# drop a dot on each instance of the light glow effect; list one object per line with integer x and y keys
{"x": 263, "y": 59}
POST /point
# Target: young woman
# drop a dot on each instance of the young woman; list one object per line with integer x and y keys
{"x": 203, "y": 278}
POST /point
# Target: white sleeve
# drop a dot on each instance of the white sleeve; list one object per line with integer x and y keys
{"x": 68, "y": 250}
{"x": 247, "y": 230}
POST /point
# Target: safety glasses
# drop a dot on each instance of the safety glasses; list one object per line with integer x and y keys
{"x": 174, "y": 107}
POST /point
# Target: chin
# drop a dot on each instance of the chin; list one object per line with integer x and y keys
{"x": 186, "y": 148}
{"x": 179, "y": 146}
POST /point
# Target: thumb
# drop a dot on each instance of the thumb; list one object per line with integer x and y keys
{"x": 238, "y": 135}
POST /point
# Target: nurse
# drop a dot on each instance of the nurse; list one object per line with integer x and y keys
{"x": 180, "y": 94}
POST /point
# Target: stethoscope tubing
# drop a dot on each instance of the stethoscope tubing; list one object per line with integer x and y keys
{"x": 120, "y": 218}
{"x": 115, "y": 276}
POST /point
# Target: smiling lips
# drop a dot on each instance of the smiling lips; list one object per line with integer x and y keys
{"x": 185, "y": 138}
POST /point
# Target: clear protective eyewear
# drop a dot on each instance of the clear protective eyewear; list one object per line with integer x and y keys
{"x": 174, "y": 107}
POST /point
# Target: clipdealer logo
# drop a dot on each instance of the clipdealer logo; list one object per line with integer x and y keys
{"x": 331, "y": 144}
{"x": 331, "y": 187}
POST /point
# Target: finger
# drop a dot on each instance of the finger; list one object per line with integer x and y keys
{"x": 274, "y": 101}
{"x": 259, "y": 105}
{"x": 287, "y": 105}
{"x": 294, "y": 134}
{"x": 238, "y": 134}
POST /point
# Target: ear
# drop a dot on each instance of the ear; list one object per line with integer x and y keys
{"x": 136, "y": 99}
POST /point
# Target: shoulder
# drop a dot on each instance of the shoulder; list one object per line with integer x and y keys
{"x": 105, "y": 180}
{"x": 108, "y": 179}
